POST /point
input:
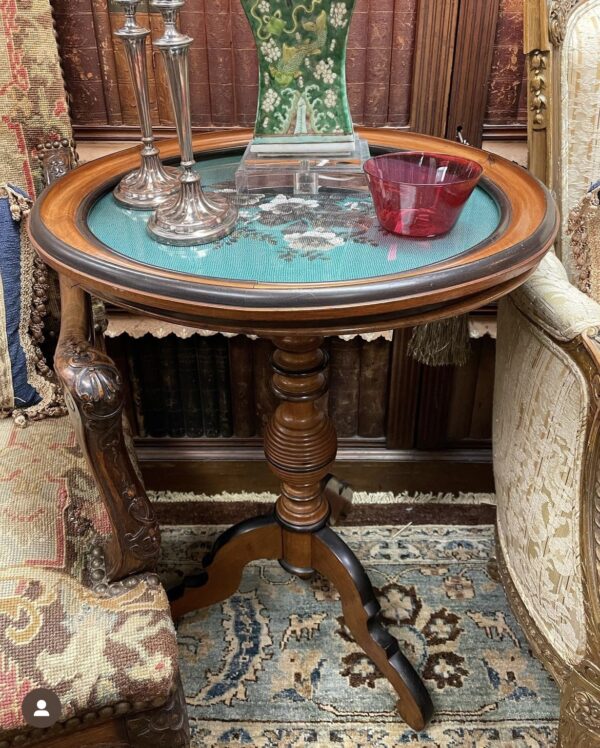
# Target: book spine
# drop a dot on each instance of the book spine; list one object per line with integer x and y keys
{"x": 403, "y": 401}
{"x": 134, "y": 363}
{"x": 405, "y": 22}
{"x": 80, "y": 62}
{"x": 208, "y": 386}
{"x": 242, "y": 386}
{"x": 189, "y": 384}
{"x": 344, "y": 375}
{"x": 507, "y": 85}
{"x": 117, "y": 349}
{"x": 356, "y": 62}
{"x": 169, "y": 375}
{"x": 245, "y": 66}
{"x": 192, "y": 18}
{"x": 223, "y": 386}
{"x": 265, "y": 398}
{"x": 379, "y": 51}
{"x": 108, "y": 65}
{"x": 155, "y": 414}
{"x": 373, "y": 388}
{"x": 220, "y": 65}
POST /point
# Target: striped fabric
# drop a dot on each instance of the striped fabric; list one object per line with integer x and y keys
{"x": 16, "y": 384}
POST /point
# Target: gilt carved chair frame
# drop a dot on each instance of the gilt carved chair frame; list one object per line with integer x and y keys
{"x": 545, "y": 28}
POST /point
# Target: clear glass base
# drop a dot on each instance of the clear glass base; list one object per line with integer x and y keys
{"x": 303, "y": 174}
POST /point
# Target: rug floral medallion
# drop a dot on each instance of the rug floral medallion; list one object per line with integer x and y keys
{"x": 275, "y": 666}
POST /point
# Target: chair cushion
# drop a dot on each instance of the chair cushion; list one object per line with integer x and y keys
{"x": 92, "y": 650}
{"x": 50, "y": 511}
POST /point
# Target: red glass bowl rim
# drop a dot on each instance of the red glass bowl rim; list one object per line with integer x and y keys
{"x": 398, "y": 155}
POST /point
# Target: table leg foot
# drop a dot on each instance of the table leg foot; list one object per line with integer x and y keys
{"x": 333, "y": 559}
{"x": 258, "y": 538}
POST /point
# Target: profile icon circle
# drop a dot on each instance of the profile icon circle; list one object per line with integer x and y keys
{"x": 41, "y": 708}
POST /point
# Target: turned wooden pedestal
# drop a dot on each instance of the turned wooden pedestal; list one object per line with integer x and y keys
{"x": 300, "y": 445}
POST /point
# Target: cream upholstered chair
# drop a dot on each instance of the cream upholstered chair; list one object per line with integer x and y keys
{"x": 547, "y": 391}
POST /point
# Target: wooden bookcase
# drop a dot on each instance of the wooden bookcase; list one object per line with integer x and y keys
{"x": 426, "y": 65}
{"x": 429, "y": 427}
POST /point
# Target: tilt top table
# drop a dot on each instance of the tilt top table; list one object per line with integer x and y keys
{"x": 296, "y": 269}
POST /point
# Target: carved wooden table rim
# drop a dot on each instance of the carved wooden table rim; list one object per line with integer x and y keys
{"x": 300, "y": 441}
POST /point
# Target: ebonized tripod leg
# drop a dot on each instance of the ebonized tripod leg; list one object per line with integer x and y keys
{"x": 258, "y": 538}
{"x": 333, "y": 559}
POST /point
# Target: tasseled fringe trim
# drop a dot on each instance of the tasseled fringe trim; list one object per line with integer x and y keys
{"x": 442, "y": 343}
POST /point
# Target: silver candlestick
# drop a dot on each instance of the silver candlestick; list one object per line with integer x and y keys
{"x": 192, "y": 218}
{"x": 151, "y": 184}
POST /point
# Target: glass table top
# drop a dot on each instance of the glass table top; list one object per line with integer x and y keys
{"x": 333, "y": 237}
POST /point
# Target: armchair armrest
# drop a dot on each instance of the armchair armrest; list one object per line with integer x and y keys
{"x": 549, "y": 300}
{"x": 94, "y": 396}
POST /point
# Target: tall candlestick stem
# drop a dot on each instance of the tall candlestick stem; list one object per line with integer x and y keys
{"x": 193, "y": 218}
{"x": 152, "y": 184}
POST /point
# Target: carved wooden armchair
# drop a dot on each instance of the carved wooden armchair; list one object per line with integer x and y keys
{"x": 81, "y": 613}
{"x": 547, "y": 391}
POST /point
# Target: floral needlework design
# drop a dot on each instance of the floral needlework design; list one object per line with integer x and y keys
{"x": 56, "y": 632}
{"x": 32, "y": 94}
{"x": 302, "y": 56}
{"x": 303, "y": 228}
{"x": 275, "y": 664}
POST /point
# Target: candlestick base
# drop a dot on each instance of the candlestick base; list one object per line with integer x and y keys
{"x": 192, "y": 217}
{"x": 149, "y": 186}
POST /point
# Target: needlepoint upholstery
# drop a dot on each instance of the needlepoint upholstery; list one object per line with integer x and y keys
{"x": 541, "y": 405}
{"x": 33, "y": 102}
{"x": 55, "y": 631}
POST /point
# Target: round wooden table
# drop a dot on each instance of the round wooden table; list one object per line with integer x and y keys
{"x": 295, "y": 270}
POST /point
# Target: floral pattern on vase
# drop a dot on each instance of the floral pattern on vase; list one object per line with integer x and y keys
{"x": 302, "y": 68}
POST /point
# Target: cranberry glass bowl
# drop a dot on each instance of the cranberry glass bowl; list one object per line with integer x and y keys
{"x": 420, "y": 194}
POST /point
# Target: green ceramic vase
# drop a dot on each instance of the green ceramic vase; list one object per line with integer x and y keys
{"x": 302, "y": 68}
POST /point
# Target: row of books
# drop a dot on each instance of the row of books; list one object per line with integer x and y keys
{"x": 221, "y": 387}
{"x": 224, "y": 71}
{"x": 223, "y": 63}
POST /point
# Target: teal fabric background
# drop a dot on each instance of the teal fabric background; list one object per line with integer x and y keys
{"x": 282, "y": 239}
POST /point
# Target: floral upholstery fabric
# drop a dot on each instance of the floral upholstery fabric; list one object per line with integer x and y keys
{"x": 50, "y": 511}
{"x": 580, "y": 138}
{"x": 550, "y": 301}
{"x": 33, "y": 103}
{"x": 56, "y": 632}
{"x": 540, "y": 416}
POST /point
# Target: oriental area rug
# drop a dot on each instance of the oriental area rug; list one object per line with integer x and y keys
{"x": 275, "y": 666}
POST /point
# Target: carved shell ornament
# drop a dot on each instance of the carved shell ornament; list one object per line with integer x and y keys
{"x": 98, "y": 388}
